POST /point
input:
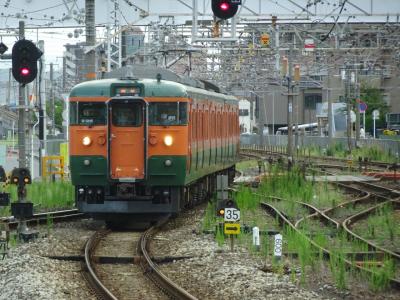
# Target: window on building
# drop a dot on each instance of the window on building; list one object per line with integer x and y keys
{"x": 243, "y": 112}
{"x": 311, "y": 100}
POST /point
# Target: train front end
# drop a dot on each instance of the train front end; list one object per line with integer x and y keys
{"x": 123, "y": 160}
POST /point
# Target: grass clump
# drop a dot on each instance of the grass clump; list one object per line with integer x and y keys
{"x": 380, "y": 277}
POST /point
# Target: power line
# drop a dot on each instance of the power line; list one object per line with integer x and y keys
{"x": 333, "y": 26}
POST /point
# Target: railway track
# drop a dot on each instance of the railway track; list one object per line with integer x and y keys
{"x": 141, "y": 277}
{"x": 352, "y": 259}
{"x": 376, "y": 255}
{"x": 263, "y": 151}
{"x": 42, "y": 218}
{"x": 337, "y": 223}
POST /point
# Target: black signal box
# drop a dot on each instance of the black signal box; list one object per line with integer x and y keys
{"x": 22, "y": 210}
{"x": 24, "y": 61}
{"x": 4, "y": 199}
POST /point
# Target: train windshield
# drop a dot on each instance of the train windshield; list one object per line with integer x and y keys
{"x": 127, "y": 115}
{"x": 168, "y": 113}
{"x": 87, "y": 113}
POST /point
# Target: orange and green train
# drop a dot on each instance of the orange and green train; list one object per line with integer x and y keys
{"x": 148, "y": 147}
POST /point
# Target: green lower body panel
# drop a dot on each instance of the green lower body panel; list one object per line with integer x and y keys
{"x": 94, "y": 172}
{"x": 166, "y": 170}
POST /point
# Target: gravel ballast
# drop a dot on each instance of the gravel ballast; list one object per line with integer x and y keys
{"x": 209, "y": 272}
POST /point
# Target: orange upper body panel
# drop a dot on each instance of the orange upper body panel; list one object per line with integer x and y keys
{"x": 98, "y": 136}
{"x": 157, "y": 134}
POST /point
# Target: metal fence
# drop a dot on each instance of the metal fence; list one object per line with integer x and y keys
{"x": 388, "y": 145}
{"x": 9, "y": 153}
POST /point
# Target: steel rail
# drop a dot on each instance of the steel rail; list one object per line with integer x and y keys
{"x": 90, "y": 275}
{"x": 41, "y": 218}
{"x": 151, "y": 270}
{"x": 316, "y": 211}
{"x": 348, "y": 222}
{"x": 259, "y": 149}
{"x": 283, "y": 220}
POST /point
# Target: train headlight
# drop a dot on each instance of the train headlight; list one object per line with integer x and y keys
{"x": 86, "y": 162}
{"x": 168, "y": 140}
{"x": 168, "y": 162}
{"x": 86, "y": 141}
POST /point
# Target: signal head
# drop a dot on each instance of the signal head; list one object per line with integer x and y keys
{"x": 224, "y": 6}
{"x": 24, "y": 61}
{"x": 225, "y": 9}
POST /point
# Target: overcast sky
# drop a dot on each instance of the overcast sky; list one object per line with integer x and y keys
{"x": 60, "y": 13}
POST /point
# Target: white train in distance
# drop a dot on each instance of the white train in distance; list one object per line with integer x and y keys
{"x": 247, "y": 119}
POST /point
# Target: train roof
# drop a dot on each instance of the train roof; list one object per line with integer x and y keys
{"x": 152, "y": 88}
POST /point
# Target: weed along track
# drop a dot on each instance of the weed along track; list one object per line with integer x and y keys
{"x": 315, "y": 155}
{"x": 329, "y": 231}
{"x": 342, "y": 250}
{"x": 348, "y": 225}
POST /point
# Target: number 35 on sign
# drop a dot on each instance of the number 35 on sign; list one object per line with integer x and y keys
{"x": 231, "y": 214}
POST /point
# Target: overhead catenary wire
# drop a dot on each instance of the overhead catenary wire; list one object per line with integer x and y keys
{"x": 337, "y": 18}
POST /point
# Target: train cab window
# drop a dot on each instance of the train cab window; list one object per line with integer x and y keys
{"x": 168, "y": 113}
{"x": 87, "y": 113}
{"x": 127, "y": 115}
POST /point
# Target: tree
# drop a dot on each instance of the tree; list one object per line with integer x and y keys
{"x": 373, "y": 97}
{"x": 58, "y": 109}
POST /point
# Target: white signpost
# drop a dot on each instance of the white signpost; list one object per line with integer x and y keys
{"x": 375, "y": 116}
{"x": 256, "y": 237}
{"x": 278, "y": 246}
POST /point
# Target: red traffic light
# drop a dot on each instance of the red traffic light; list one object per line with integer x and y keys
{"x": 225, "y": 9}
{"x": 224, "y": 6}
{"x": 25, "y": 71}
{"x": 24, "y": 61}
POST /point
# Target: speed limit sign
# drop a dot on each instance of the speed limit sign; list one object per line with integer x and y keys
{"x": 231, "y": 214}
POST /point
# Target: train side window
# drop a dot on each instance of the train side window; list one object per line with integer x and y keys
{"x": 87, "y": 113}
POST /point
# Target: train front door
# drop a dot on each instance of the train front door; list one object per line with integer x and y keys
{"x": 127, "y": 132}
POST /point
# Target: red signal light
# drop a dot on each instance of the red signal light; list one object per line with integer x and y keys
{"x": 25, "y": 71}
{"x": 225, "y": 9}
{"x": 224, "y": 6}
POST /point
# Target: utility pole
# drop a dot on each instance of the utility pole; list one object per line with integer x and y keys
{"x": 52, "y": 100}
{"x": 42, "y": 108}
{"x": 20, "y": 208}
{"x": 347, "y": 98}
{"x": 64, "y": 84}
{"x": 330, "y": 110}
{"x": 8, "y": 96}
{"x": 21, "y": 111}
{"x": 90, "y": 56}
{"x": 357, "y": 96}
{"x": 290, "y": 103}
